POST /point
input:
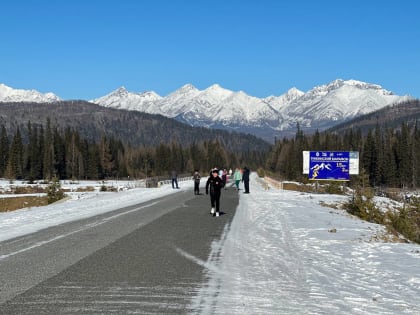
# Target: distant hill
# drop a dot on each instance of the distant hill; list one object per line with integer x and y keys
{"x": 131, "y": 127}
{"x": 391, "y": 116}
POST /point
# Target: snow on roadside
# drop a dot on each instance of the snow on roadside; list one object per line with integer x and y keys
{"x": 285, "y": 253}
{"x": 81, "y": 205}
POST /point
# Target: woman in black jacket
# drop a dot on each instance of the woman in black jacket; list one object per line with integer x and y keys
{"x": 215, "y": 183}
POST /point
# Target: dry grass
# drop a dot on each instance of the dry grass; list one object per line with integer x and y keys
{"x": 329, "y": 205}
{"x": 14, "y": 203}
{"x": 80, "y": 189}
{"x": 298, "y": 187}
{"x": 26, "y": 190}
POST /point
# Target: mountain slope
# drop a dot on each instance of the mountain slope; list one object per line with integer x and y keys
{"x": 131, "y": 127}
{"x": 392, "y": 116}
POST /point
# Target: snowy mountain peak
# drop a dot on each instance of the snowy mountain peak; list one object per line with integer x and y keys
{"x": 217, "y": 91}
{"x": 121, "y": 91}
{"x": 293, "y": 94}
{"x": 123, "y": 99}
{"x": 216, "y": 87}
{"x": 187, "y": 88}
{"x": 295, "y": 91}
{"x": 339, "y": 83}
{"x": 8, "y": 94}
{"x": 360, "y": 84}
{"x": 280, "y": 102}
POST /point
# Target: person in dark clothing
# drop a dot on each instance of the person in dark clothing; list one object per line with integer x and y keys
{"x": 196, "y": 178}
{"x": 245, "y": 180}
{"x": 214, "y": 185}
{"x": 224, "y": 177}
{"x": 174, "y": 176}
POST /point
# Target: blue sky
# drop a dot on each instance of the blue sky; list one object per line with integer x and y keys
{"x": 84, "y": 49}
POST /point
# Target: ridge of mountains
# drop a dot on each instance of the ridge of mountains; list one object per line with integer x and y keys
{"x": 134, "y": 128}
{"x": 389, "y": 117}
{"x": 320, "y": 108}
{"x": 8, "y": 94}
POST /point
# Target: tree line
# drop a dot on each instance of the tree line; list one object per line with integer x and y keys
{"x": 46, "y": 152}
{"x": 389, "y": 156}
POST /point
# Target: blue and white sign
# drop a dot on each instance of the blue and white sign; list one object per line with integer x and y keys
{"x": 353, "y": 168}
{"x": 329, "y": 165}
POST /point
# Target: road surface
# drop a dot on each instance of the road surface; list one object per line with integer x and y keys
{"x": 140, "y": 259}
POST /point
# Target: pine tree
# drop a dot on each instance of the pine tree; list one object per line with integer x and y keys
{"x": 94, "y": 170}
{"x": 369, "y": 160}
{"x": 162, "y": 160}
{"x": 389, "y": 167}
{"x": 54, "y": 192}
{"x": 74, "y": 162}
{"x": 33, "y": 164}
{"x": 59, "y": 155}
{"x": 216, "y": 154}
{"x": 15, "y": 162}
{"x": 416, "y": 157}
{"x": 404, "y": 153}
{"x": 106, "y": 158}
{"x": 316, "y": 141}
{"x": 48, "y": 154}
{"x": 379, "y": 170}
{"x": 4, "y": 150}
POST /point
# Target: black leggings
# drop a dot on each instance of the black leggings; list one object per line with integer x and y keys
{"x": 197, "y": 187}
{"x": 215, "y": 200}
{"x": 246, "y": 185}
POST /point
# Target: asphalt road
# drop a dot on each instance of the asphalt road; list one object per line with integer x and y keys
{"x": 135, "y": 260}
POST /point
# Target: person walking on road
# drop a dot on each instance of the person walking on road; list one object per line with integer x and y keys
{"x": 237, "y": 176}
{"x": 196, "y": 178}
{"x": 214, "y": 185}
{"x": 245, "y": 179}
{"x": 174, "y": 176}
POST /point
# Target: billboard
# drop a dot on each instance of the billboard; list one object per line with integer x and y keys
{"x": 353, "y": 162}
{"x": 329, "y": 165}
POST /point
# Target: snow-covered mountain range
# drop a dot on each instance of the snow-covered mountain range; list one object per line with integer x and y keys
{"x": 319, "y": 108}
{"x": 216, "y": 107}
{"x": 8, "y": 94}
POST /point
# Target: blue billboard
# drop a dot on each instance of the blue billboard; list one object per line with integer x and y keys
{"x": 329, "y": 165}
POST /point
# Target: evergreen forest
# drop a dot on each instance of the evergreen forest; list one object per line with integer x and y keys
{"x": 66, "y": 147}
{"x": 46, "y": 152}
{"x": 390, "y": 157}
